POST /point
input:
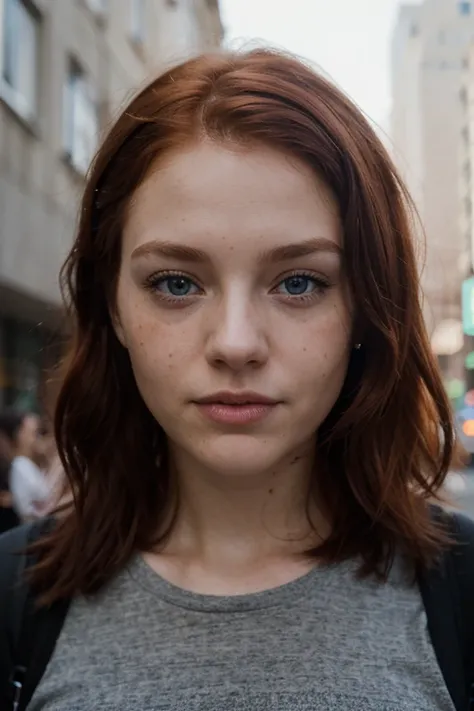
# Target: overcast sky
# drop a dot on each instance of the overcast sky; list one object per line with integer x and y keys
{"x": 349, "y": 39}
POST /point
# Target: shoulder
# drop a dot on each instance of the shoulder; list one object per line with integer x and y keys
{"x": 458, "y": 526}
{"x": 14, "y": 558}
{"x": 461, "y": 554}
{"x": 12, "y": 555}
{"x": 14, "y": 540}
{"x": 462, "y": 528}
{"x": 13, "y": 545}
{"x": 451, "y": 583}
{"x": 12, "y": 591}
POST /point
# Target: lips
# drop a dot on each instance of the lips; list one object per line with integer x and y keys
{"x": 237, "y": 398}
{"x": 236, "y": 408}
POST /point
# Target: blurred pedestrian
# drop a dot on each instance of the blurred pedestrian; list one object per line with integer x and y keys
{"x": 22, "y": 443}
{"x": 249, "y": 417}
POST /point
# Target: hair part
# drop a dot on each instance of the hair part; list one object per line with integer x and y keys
{"x": 389, "y": 440}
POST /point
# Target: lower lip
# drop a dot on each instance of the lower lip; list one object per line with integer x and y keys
{"x": 236, "y": 414}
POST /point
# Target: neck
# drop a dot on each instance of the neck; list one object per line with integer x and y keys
{"x": 245, "y": 518}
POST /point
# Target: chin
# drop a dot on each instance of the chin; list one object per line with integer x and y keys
{"x": 240, "y": 455}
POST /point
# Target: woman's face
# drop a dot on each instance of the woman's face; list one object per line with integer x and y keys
{"x": 233, "y": 305}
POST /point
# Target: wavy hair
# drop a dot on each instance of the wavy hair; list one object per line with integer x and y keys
{"x": 387, "y": 444}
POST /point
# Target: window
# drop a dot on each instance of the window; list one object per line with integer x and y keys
{"x": 19, "y": 50}
{"x": 81, "y": 122}
{"x": 465, "y": 8}
{"x": 137, "y": 20}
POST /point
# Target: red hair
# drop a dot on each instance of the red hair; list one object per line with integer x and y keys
{"x": 387, "y": 444}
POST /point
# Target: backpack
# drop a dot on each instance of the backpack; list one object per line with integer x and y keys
{"x": 29, "y": 633}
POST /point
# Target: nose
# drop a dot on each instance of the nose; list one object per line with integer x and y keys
{"x": 237, "y": 338}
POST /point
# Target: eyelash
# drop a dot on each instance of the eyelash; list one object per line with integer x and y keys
{"x": 321, "y": 286}
{"x": 154, "y": 280}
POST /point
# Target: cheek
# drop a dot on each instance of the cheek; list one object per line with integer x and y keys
{"x": 158, "y": 350}
{"x": 321, "y": 341}
{"x": 153, "y": 355}
{"x": 319, "y": 355}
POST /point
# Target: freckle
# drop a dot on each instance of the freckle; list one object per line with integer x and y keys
{"x": 304, "y": 350}
{"x": 270, "y": 491}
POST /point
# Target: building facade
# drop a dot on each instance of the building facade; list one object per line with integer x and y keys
{"x": 430, "y": 45}
{"x": 66, "y": 67}
{"x": 466, "y": 172}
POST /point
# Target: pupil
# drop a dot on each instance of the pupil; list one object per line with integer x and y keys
{"x": 178, "y": 286}
{"x": 297, "y": 285}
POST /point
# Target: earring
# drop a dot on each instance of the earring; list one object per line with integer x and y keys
{"x": 358, "y": 346}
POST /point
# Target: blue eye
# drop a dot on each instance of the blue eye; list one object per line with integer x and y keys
{"x": 175, "y": 286}
{"x": 300, "y": 285}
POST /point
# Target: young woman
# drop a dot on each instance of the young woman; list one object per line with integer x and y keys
{"x": 251, "y": 418}
{"x": 23, "y": 448}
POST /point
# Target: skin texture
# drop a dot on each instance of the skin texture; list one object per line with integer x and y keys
{"x": 241, "y": 317}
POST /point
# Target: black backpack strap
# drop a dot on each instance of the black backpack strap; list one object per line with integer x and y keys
{"x": 12, "y": 598}
{"x": 447, "y": 590}
{"x": 462, "y": 565}
{"x": 39, "y": 633}
{"x": 31, "y": 631}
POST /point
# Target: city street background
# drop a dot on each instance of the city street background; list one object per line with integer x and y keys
{"x": 67, "y": 66}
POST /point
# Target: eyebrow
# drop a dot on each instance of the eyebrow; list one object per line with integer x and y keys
{"x": 192, "y": 255}
{"x": 300, "y": 249}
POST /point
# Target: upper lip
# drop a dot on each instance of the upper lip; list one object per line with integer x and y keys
{"x": 242, "y": 397}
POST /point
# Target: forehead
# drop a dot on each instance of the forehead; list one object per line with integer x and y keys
{"x": 212, "y": 193}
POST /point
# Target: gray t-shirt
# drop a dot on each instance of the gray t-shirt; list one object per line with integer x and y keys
{"x": 325, "y": 642}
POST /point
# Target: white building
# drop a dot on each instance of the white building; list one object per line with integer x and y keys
{"x": 466, "y": 163}
{"x": 65, "y": 68}
{"x": 429, "y": 49}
